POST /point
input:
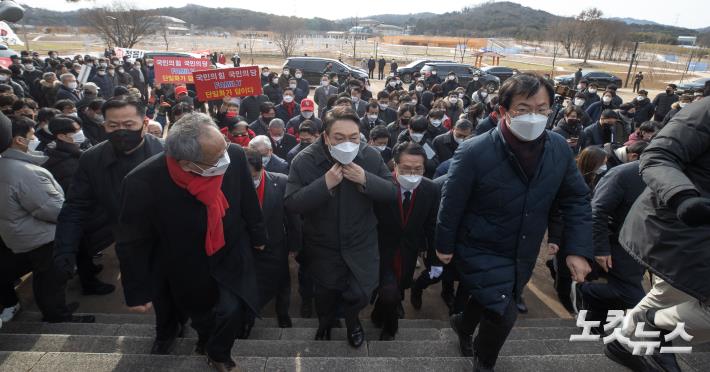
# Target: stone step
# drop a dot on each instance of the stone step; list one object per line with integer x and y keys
{"x": 106, "y": 318}
{"x": 287, "y": 348}
{"x": 71, "y": 362}
{"x": 270, "y": 333}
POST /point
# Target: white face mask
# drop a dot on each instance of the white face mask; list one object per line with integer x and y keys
{"x": 528, "y": 127}
{"x": 433, "y": 72}
{"x": 593, "y": 91}
{"x": 265, "y": 160}
{"x": 452, "y": 78}
{"x": 307, "y": 114}
{"x": 475, "y": 78}
{"x": 383, "y": 106}
{"x": 277, "y": 138}
{"x": 436, "y": 123}
{"x": 579, "y": 86}
{"x": 78, "y": 137}
{"x": 275, "y": 80}
{"x": 409, "y": 182}
{"x": 292, "y": 86}
{"x": 419, "y": 88}
{"x": 29, "y": 67}
{"x": 416, "y": 137}
{"x": 219, "y": 169}
{"x": 453, "y": 99}
{"x": 72, "y": 85}
{"x": 484, "y": 94}
{"x": 578, "y": 102}
{"x": 381, "y": 148}
{"x": 683, "y": 104}
{"x": 640, "y": 98}
{"x": 344, "y": 153}
{"x": 459, "y": 140}
{"x": 298, "y": 76}
{"x": 287, "y": 72}
{"x": 32, "y": 144}
{"x": 601, "y": 169}
{"x": 355, "y": 99}
{"x": 393, "y": 83}
{"x": 606, "y": 99}
{"x": 265, "y": 74}
{"x": 372, "y": 117}
{"x": 324, "y": 82}
{"x": 288, "y": 99}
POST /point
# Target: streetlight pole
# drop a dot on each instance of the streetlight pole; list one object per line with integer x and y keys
{"x": 631, "y": 65}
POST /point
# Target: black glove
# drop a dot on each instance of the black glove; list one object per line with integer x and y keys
{"x": 65, "y": 265}
{"x": 694, "y": 211}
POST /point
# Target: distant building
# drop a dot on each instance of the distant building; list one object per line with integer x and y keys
{"x": 174, "y": 26}
{"x": 687, "y": 40}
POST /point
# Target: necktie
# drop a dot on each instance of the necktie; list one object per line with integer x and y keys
{"x": 405, "y": 203}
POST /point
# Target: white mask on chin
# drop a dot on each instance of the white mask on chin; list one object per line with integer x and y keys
{"x": 528, "y": 127}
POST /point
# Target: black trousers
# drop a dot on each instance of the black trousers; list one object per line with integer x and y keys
{"x": 622, "y": 290}
{"x": 219, "y": 326}
{"x": 47, "y": 285}
{"x": 493, "y": 329}
{"x": 306, "y": 287}
{"x": 168, "y": 313}
{"x": 351, "y": 300}
{"x": 283, "y": 296}
{"x": 381, "y": 73}
{"x": 389, "y": 297}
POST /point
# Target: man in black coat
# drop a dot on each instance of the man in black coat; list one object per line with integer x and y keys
{"x": 446, "y": 144}
{"x": 63, "y": 163}
{"x": 68, "y": 89}
{"x": 260, "y": 126}
{"x": 283, "y": 229}
{"x": 371, "y": 68}
{"x": 495, "y": 205}
{"x": 95, "y": 189}
{"x": 381, "y": 63}
{"x": 272, "y": 162}
{"x": 370, "y": 119}
{"x": 190, "y": 218}
{"x": 667, "y": 229}
{"x": 663, "y": 102}
{"x": 281, "y": 141}
{"x": 250, "y": 107}
{"x": 333, "y": 185}
{"x": 405, "y": 229}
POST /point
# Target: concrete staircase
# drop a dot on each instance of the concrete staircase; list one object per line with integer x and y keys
{"x": 122, "y": 342}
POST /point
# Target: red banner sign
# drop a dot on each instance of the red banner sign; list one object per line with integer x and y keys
{"x": 212, "y": 85}
{"x": 178, "y": 70}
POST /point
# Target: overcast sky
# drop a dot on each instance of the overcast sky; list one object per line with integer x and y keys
{"x": 686, "y": 13}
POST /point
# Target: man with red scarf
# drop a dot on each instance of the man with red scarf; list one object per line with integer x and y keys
{"x": 405, "y": 228}
{"x": 191, "y": 217}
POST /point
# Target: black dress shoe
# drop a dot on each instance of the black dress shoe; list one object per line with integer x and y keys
{"x": 386, "y": 336}
{"x": 479, "y": 366}
{"x": 522, "y": 307}
{"x": 163, "y": 347}
{"x": 415, "y": 297}
{"x": 221, "y": 366}
{"x": 323, "y": 334}
{"x": 307, "y": 309}
{"x": 356, "y": 336}
{"x": 284, "y": 321}
{"x": 98, "y": 288}
{"x": 465, "y": 340}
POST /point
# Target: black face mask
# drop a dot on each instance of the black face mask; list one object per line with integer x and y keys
{"x": 124, "y": 140}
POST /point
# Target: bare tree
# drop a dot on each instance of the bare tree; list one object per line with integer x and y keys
{"x": 121, "y": 25}
{"x": 463, "y": 43}
{"x": 589, "y": 25}
{"x": 286, "y": 35}
{"x": 251, "y": 41}
{"x": 355, "y": 35}
{"x": 565, "y": 34}
{"x": 165, "y": 33}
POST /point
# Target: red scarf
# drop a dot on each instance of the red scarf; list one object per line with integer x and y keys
{"x": 260, "y": 188}
{"x": 290, "y": 107}
{"x": 207, "y": 190}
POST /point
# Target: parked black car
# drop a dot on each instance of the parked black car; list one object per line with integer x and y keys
{"x": 603, "y": 79}
{"x": 691, "y": 87}
{"x": 464, "y": 73}
{"x": 405, "y": 73}
{"x": 312, "y": 68}
{"x": 502, "y": 72}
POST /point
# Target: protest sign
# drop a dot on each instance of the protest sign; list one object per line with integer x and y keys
{"x": 233, "y": 82}
{"x": 131, "y": 53}
{"x": 177, "y": 70}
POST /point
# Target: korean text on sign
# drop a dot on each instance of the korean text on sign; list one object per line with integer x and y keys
{"x": 177, "y": 70}
{"x": 229, "y": 82}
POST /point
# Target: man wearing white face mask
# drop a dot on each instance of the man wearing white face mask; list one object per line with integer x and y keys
{"x": 68, "y": 89}
{"x": 501, "y": 187}
{"x": 405, "y": 228}
{"x": 281, "y": 141}
{"x": 307, "y": 113}
{"x": 272, "y": 162}
{"x": 201, "y": 193}
{"x": 333, "y": 185}
{"x": 288, "y": 108}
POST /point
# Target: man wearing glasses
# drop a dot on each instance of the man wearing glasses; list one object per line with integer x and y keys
{"x": 494, "y": 212}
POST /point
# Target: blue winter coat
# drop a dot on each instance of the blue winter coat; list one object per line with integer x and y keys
{"x": 493, "y": 219}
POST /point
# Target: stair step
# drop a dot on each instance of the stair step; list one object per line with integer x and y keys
{"x": 71, "y": 362}
{"x": 286, "y": 348}
{"x": 105, "y": 318}
{"x": 267, "y": 333}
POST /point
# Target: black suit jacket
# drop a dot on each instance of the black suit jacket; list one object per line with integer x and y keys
{"x": 445, "y": 146}
{"x": 284, "y": 236}
{"x": 277, "y": 165}
{"x": 282, "y": 148}
{"x": 414, "y": 237}
{"x": 162, "y": 231}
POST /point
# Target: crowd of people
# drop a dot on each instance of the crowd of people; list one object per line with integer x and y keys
{"x": 206, "y": 201}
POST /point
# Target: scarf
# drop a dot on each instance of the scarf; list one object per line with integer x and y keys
{"x": 290, "y": 107}
{"x": 260, "y": 188}
{"x": 207, "y": 190}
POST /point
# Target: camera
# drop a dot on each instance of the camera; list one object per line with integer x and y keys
{"x": 564, "y": 91}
